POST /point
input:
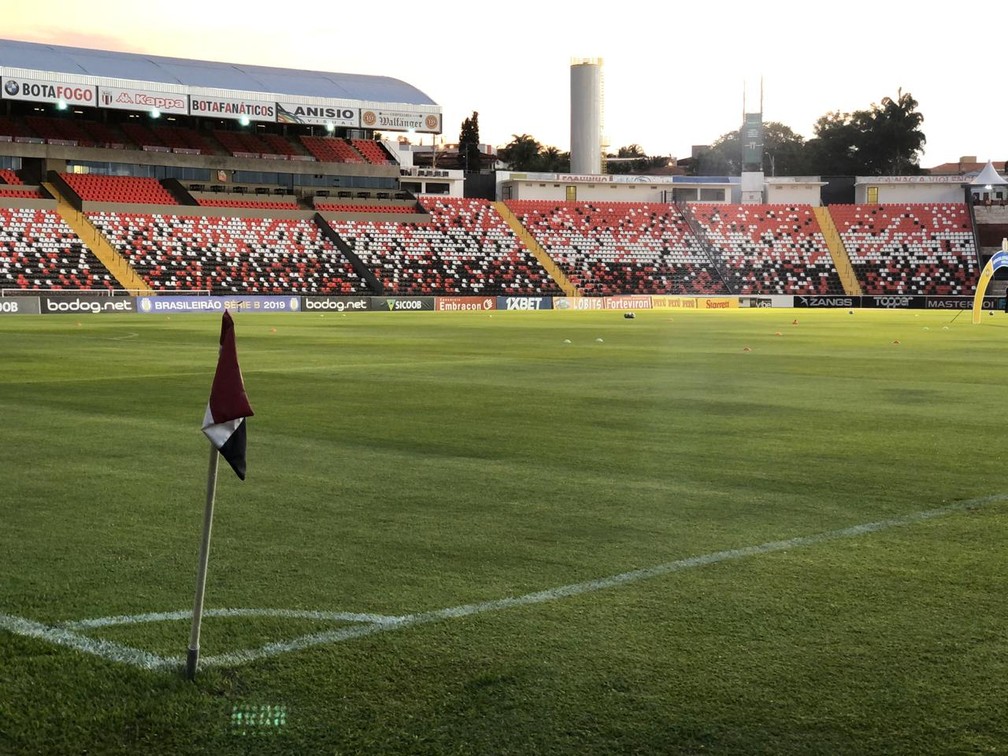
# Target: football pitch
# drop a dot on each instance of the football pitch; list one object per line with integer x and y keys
{"x": 748, "y": 531}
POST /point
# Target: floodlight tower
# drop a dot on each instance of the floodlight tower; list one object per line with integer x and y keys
{"x": 752, "y": 151}
{"x": 586, "y": 116}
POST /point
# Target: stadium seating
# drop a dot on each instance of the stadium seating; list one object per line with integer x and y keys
{"x": 59, "y": 130}
{"x": 769, "y": 249}
{"x": 175, "y": 253}
{"x": 103, "y": 135}
{"x": 182, "y": 139}
{"x": 143, "y": 136}
{"x": 16, "y": 129}
{"x": 331, "y": 149}
{"x": 39, "y": 251}
{"x": 467, "y": 249}
{"x": 94, "y": 187}
{"x": 372, "y": 151}
{"x": 607, "y": 248}
{"x": 910, "y": 248}
{"x": 241, "y": 143}
{"x": 7, "y": 176}
{"x": 12, "y": 186}
{"x": 276, "y": 144}
{"x": 348, "y": 207}
{"x": 24, "y": 192}
{"x": 214, "y": 202}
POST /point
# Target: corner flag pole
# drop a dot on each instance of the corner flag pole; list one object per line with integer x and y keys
{"x": 224, "y": 424}
{"x": 192, "y": 658}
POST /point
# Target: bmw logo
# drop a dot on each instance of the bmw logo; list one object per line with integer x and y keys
{"x": 11, "y": 87}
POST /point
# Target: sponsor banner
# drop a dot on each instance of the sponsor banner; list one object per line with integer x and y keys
{"x": 524, "y": 303}
{"x": 963, "y": 303}
{"x": 912, "y": 180}
{"x": 336, "y": 304}
{"x": 464, "y": 304}
{"x": 956, "y": 303}
{"x": 20, "y": 306}
{"x": 696, "y": 303}
{"x": 403, "y": 304}
{"x": 145, "y": 100}
{"x": 718, "y": 303}
{"x": 578, "y": 303}
{"x": 235, "y": 109}
{"x": 41, "y": 90}
{"x": 674, "y": 303}
{"x": 893, "y": 301}
{"x": 827, "y": 301}
{"x": 85, "y": 304}
{"x": 629, "y": 302}
{"x": 232, "y": 302}
{"x": 572, "y": 178}
{"x": 755, "y": 302}
{"x": 401, "y": 120}
{"x": 289, "y": 112}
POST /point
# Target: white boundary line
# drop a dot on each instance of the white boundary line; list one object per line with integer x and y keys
{"x": 66, "y": 633}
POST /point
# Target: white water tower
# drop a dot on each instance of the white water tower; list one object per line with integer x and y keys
{"x": 586, "y": 116}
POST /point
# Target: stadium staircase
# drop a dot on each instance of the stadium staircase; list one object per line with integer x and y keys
{"x": 340, "y": 243}
{"x": 117, "y": 265}
{"x": 549, "y": 265}
{"x": 713, "y": 257}
{"x": 841, "y": 260}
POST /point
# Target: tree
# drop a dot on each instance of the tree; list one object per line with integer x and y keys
{"x": 884, "y": 140}
{"x": 631, "y": 151}
{"x": 834, "y": 151}
{"x": 633, "y": 159}
{"x": 468, "y": 143}
{"x": 784, "y": 151}
{"x": 893, "y": 139}
{"x": 551, "y": 160}
{"x": 723, "y": 158}
{"x": 521, "y": 153}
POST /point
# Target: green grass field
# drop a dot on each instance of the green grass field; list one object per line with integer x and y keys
{"x": 709, "y": 471}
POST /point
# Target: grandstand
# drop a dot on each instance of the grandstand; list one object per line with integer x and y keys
{"x": 621, "y": 248}
{"x": 250, "y": 193}
{"x": 466, "y": 249}
{"x": 768, "y": 249}
{"x": 916, "y": 249}
{"x": 38, "y": 251}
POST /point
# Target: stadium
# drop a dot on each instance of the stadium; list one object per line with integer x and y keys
{"x": 485, "y": 511}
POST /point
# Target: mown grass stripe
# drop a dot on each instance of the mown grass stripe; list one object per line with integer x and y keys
{"x": 369, "y": 624}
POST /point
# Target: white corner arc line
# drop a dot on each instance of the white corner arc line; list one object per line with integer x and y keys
{"x": 307, "y": 614}
{"x": 369, "y": 624}
{"x": 105, "y": 649}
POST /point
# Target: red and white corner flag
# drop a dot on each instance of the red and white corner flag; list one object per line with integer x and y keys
{"x": 224, "y": 422}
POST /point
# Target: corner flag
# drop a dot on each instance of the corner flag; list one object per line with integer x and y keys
{"x": 224, "y": 424}
{"x": 224, "y": 421}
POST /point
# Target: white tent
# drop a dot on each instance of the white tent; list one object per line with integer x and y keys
{"x": 989, "y": 177}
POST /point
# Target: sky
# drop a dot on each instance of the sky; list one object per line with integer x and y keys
{"x": 675, "y": 74}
